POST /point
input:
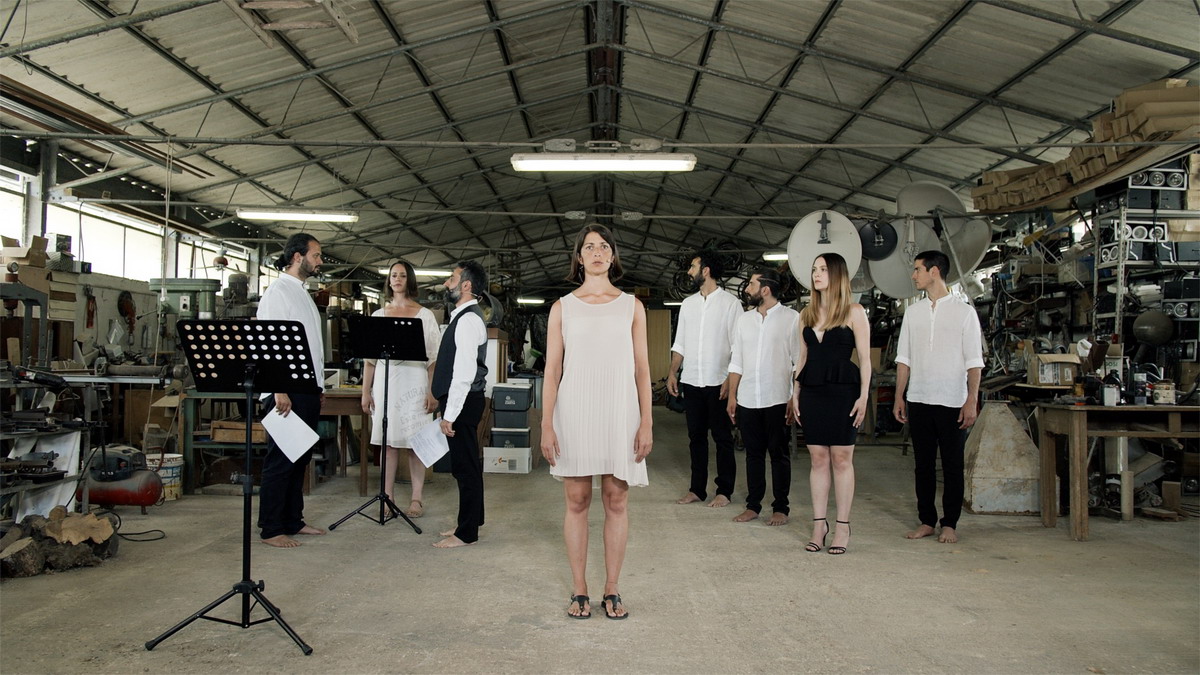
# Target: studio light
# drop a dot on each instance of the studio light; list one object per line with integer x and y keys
{"x": 673, "y": 303}
{"x": 775, "y": 256}
{"x": 530, "y": 301}
{"x": 298, "y": 215}
{"x": 431, "y": 272}
{"x": 603, "y": 161}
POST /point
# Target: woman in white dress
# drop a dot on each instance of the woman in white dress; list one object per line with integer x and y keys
{"x": 596, "y": 419}
{"x": 409, "y": 402}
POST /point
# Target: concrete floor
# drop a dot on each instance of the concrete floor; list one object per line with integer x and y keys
{"x": 705, "y": 594}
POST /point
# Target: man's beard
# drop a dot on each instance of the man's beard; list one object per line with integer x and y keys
{"x": 697, "y": 281}
{"x": 307, "y": 269}
{"x": 452, "y": 296}
{"x": 755, "y": 300}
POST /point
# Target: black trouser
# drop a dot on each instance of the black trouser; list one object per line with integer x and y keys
{"x": 467, "y": 467}
{"x": 934, "y": 428}
{"x": 765, "y": 430}
{"x": 705, "y": 412}
{"x": 281, "y": 491}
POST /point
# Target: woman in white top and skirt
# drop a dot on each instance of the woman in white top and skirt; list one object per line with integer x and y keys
{"x": 409, "y": 402}
{"x": 596, "y": 419}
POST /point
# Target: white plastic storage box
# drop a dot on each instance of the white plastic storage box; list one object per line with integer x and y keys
{"x": 506, "y": 460}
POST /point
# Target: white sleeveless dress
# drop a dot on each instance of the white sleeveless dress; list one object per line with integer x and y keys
{"x": 407, "y": 383}
{"x": 596, "y": 415}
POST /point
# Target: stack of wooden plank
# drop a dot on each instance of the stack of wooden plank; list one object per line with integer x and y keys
{"x": 1147, "y": 113}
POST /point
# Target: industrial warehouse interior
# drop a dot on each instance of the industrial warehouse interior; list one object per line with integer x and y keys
{"x": 204, "y": 203}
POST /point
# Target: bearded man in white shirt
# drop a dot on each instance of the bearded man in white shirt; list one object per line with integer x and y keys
{"x": 939, "y": 358}
{"x": 703, "y": 344}
{"x": 766, "y": 344}
{"x": 281, "y": 488}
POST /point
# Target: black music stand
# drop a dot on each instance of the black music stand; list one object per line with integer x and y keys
{"x": 387, "y": 338}
{"x": 247, "y": 356}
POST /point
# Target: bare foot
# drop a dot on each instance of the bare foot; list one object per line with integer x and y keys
{"x": 447, "y": 533}
{"x": 281, "y": 541}
{"x": 451, "y": 542}
{"x": 689, "y": 498}
{"x": 577, "y": 609}
{"x": 778, "y": 519}
{"x": 745, "y": 516}
{"x": 415, "y": 509}
{"x": 948, "y": 536}
{"x": 309, "y": 529}
{"x": 719, "y": 501}
{"x": 920, "y": 533}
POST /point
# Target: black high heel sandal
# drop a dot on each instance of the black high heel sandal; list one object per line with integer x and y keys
{"x": 839, "y": 550}
{"x": 812, "y": 547}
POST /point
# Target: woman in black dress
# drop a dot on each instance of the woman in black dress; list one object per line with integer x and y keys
{"x": 830, "y": 393}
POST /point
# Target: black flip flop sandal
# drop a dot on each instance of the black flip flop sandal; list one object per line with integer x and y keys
{"x": 581, "y": 599}
{"x": 613, "y": 601}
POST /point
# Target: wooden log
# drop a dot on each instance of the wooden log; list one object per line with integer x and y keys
{"x": 33, "y": 524}
{"x": 22, "y": 559}
{"x": 11, "y": 536}
{"x": 77, "y": 528}
{"x": 61, "y": 557}
{"x": 1162, "y": 514}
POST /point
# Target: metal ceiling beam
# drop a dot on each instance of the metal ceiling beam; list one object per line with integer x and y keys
{"x": 113, "y": 23}
{"x": 856, "y": 62}
{"x": 357, "y": 60}
{"x": 435, "y": 97}
{"x": 786, "y": 134}
{"x": 875, "y": 96}
{"x": 813, "y": 35}
{"x": 854, "y": 111}
{"x": 152, "y": 44}
{"x": 279, "y": 128}
{"x": 1094, "y": 27}
{"x": 1058, "y": 49}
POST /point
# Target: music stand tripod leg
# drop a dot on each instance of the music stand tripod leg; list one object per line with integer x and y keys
{"x": 385, "y": 502}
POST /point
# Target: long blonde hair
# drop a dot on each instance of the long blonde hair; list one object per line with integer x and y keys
{"x": 836, "y": 299}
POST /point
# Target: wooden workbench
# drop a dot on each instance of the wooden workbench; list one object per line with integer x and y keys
{"x": 1080, "y": 422}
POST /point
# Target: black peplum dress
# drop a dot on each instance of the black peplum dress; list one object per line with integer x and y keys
{"x": 829, "y": 386}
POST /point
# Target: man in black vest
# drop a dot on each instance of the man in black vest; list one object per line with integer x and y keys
{"x": 458, "y": 384}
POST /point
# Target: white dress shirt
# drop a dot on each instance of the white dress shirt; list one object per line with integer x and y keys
{"x": 704, "y": 337}
{"x": 765, "y": 350}
{"x": 286, "y": 299}
{"x": 939, "y": 343}
{"x": 468, "y": 335}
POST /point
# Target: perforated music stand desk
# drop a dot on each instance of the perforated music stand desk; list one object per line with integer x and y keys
{"x": 247, "y": 356}
{"x": 388, "y": 338}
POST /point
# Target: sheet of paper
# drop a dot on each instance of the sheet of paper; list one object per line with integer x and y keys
{"x": 290, "y": 433}
{"x": 429, "y": 443}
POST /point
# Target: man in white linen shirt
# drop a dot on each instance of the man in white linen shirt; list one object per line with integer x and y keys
{"x": 281, "y": 489}
{"x": 766, "y": 344}
{"x": 459, "y": 380}
{"x": 703, "y": 342}
{"x": 939, "y": 359}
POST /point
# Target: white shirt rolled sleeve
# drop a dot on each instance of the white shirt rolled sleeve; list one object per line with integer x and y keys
{"x": 939, "y": 344}
{"x": 704, "y": 337}
{"x": 468, "y": 335}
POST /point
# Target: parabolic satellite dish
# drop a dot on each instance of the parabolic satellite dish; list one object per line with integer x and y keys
{"x": 818, "y": 233}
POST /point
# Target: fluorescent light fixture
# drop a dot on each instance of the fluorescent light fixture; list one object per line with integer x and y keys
{"x": 530, "y": 301}
{"x": 775, "y": 256}
{"x": 603, "y": 161}
{"x": 301, "y": 215}
{"x": 431, "y": 273}
{"x": 673, "y": 303}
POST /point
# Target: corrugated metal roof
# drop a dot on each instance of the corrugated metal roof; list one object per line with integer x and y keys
{"x": 687, "y": 71}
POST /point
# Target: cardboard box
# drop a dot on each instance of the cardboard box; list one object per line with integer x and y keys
{"x": 37, "y": 278}
{"x": 33, "y": 255}
{"x": 1132, "y": 98}
{"x": 506, "y": 460}
{"x": 1050, "y": 369}
{"x": 235, "y": 432}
